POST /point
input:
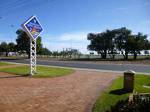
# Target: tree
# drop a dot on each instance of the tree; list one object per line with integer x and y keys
{"x": 122, "y": 38}
{"x": 147, "y": 44}
{"x": 71, "y": 52}
{"x": 102, "y": 43}
{"x": 39, "y": 48}
{"x": 75, "y": 52}
{"x": 11, "y": 47}
{"x": 137, "y": 43}
{"x": 55, "y": 54}
{"x": 23, "y": 42}
{"x": 45, "y": 51}
{"x": 4, "y": 48}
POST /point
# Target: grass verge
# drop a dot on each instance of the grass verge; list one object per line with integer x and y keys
{"x": 114, "y": 93}
{"x": 4, "y": 64}
{"x": 42, "y": 71}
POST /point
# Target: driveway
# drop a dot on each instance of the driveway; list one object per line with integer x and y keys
{"x": 73, "y": 93}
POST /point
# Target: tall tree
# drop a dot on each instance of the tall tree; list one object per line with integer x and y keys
{"x": 23, "y": 42}
{"x": 102, "y": 43}
{"x": 122, "y": 38}
{"x": 137, "y": 43}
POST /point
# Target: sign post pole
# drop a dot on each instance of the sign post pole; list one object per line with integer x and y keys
{"x": 32, "y": 56}
{"x": 33, "y": 29}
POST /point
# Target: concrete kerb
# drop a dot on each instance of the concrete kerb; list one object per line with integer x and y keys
{"x": 83, "y": 69}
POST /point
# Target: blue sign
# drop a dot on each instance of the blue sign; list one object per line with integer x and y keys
{"x": 33, "y": 27}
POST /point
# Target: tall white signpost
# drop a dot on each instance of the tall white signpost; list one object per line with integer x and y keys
{"x": 33, "y": 28}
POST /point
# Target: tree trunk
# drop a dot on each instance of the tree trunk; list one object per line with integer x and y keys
{"x": 6, "y": 54}
{"x": 28, "y": 55}
{"x": 103, "y": 55}
{"x": 135, "y": 56}
{"x": 126, "y": 56}
{"x": 113, "y": 57}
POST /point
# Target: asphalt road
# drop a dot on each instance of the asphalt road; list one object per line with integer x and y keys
{"x": 88, "y": 65}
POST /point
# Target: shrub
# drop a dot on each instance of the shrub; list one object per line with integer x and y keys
{"x": 140, "y": 103}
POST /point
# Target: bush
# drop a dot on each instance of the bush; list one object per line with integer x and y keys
{"x": 138, "y": 104}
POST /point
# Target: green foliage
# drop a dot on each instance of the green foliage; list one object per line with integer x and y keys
{"x": 121, "y": 40}
{"x": 67, "y": 53}
{"x": 139, "y": 104}
{"x": 11, "y": 47}
{"x": 23, "y": 43}
{"x": 45, "y": 51}
{"x": 137, "y": 43}
{"x": 39, "y": 45}
{"x": 6, "y": 48}
{"x": 115, "y": 93}
{"x": 103, "y": 43}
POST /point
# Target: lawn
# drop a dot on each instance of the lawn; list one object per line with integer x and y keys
{"x": 141, "y": 80}
{"x": 42, "y": 71}
{"x": 4, "y": 64}
{"x": 114, "y": 93}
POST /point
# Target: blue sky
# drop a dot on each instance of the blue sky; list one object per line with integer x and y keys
{"x": 66, "y": 23}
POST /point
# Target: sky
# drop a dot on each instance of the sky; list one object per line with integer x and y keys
{"x": 66, "y": 23}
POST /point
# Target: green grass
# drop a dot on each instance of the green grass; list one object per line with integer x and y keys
{"x": 4, "y": 64}
{"x": 107, "y": 99}
{"x": 141, "y": 80}
{"x": 41, "y": 71}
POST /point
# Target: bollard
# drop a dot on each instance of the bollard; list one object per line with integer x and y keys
{"x": 129, "y": 80}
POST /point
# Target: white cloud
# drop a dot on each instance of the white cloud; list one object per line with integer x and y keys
{"x": 59, "y": 46}
{"x": 77, "y": 36}
{"x": 76, "y": 40}
{"x": 68, "y": 37}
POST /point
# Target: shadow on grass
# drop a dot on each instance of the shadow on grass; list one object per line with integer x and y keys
{"x": 119, "y": 91}
{"x": 14, "y": 76}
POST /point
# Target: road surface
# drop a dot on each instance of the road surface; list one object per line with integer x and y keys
{"x": 90, "y": 65}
